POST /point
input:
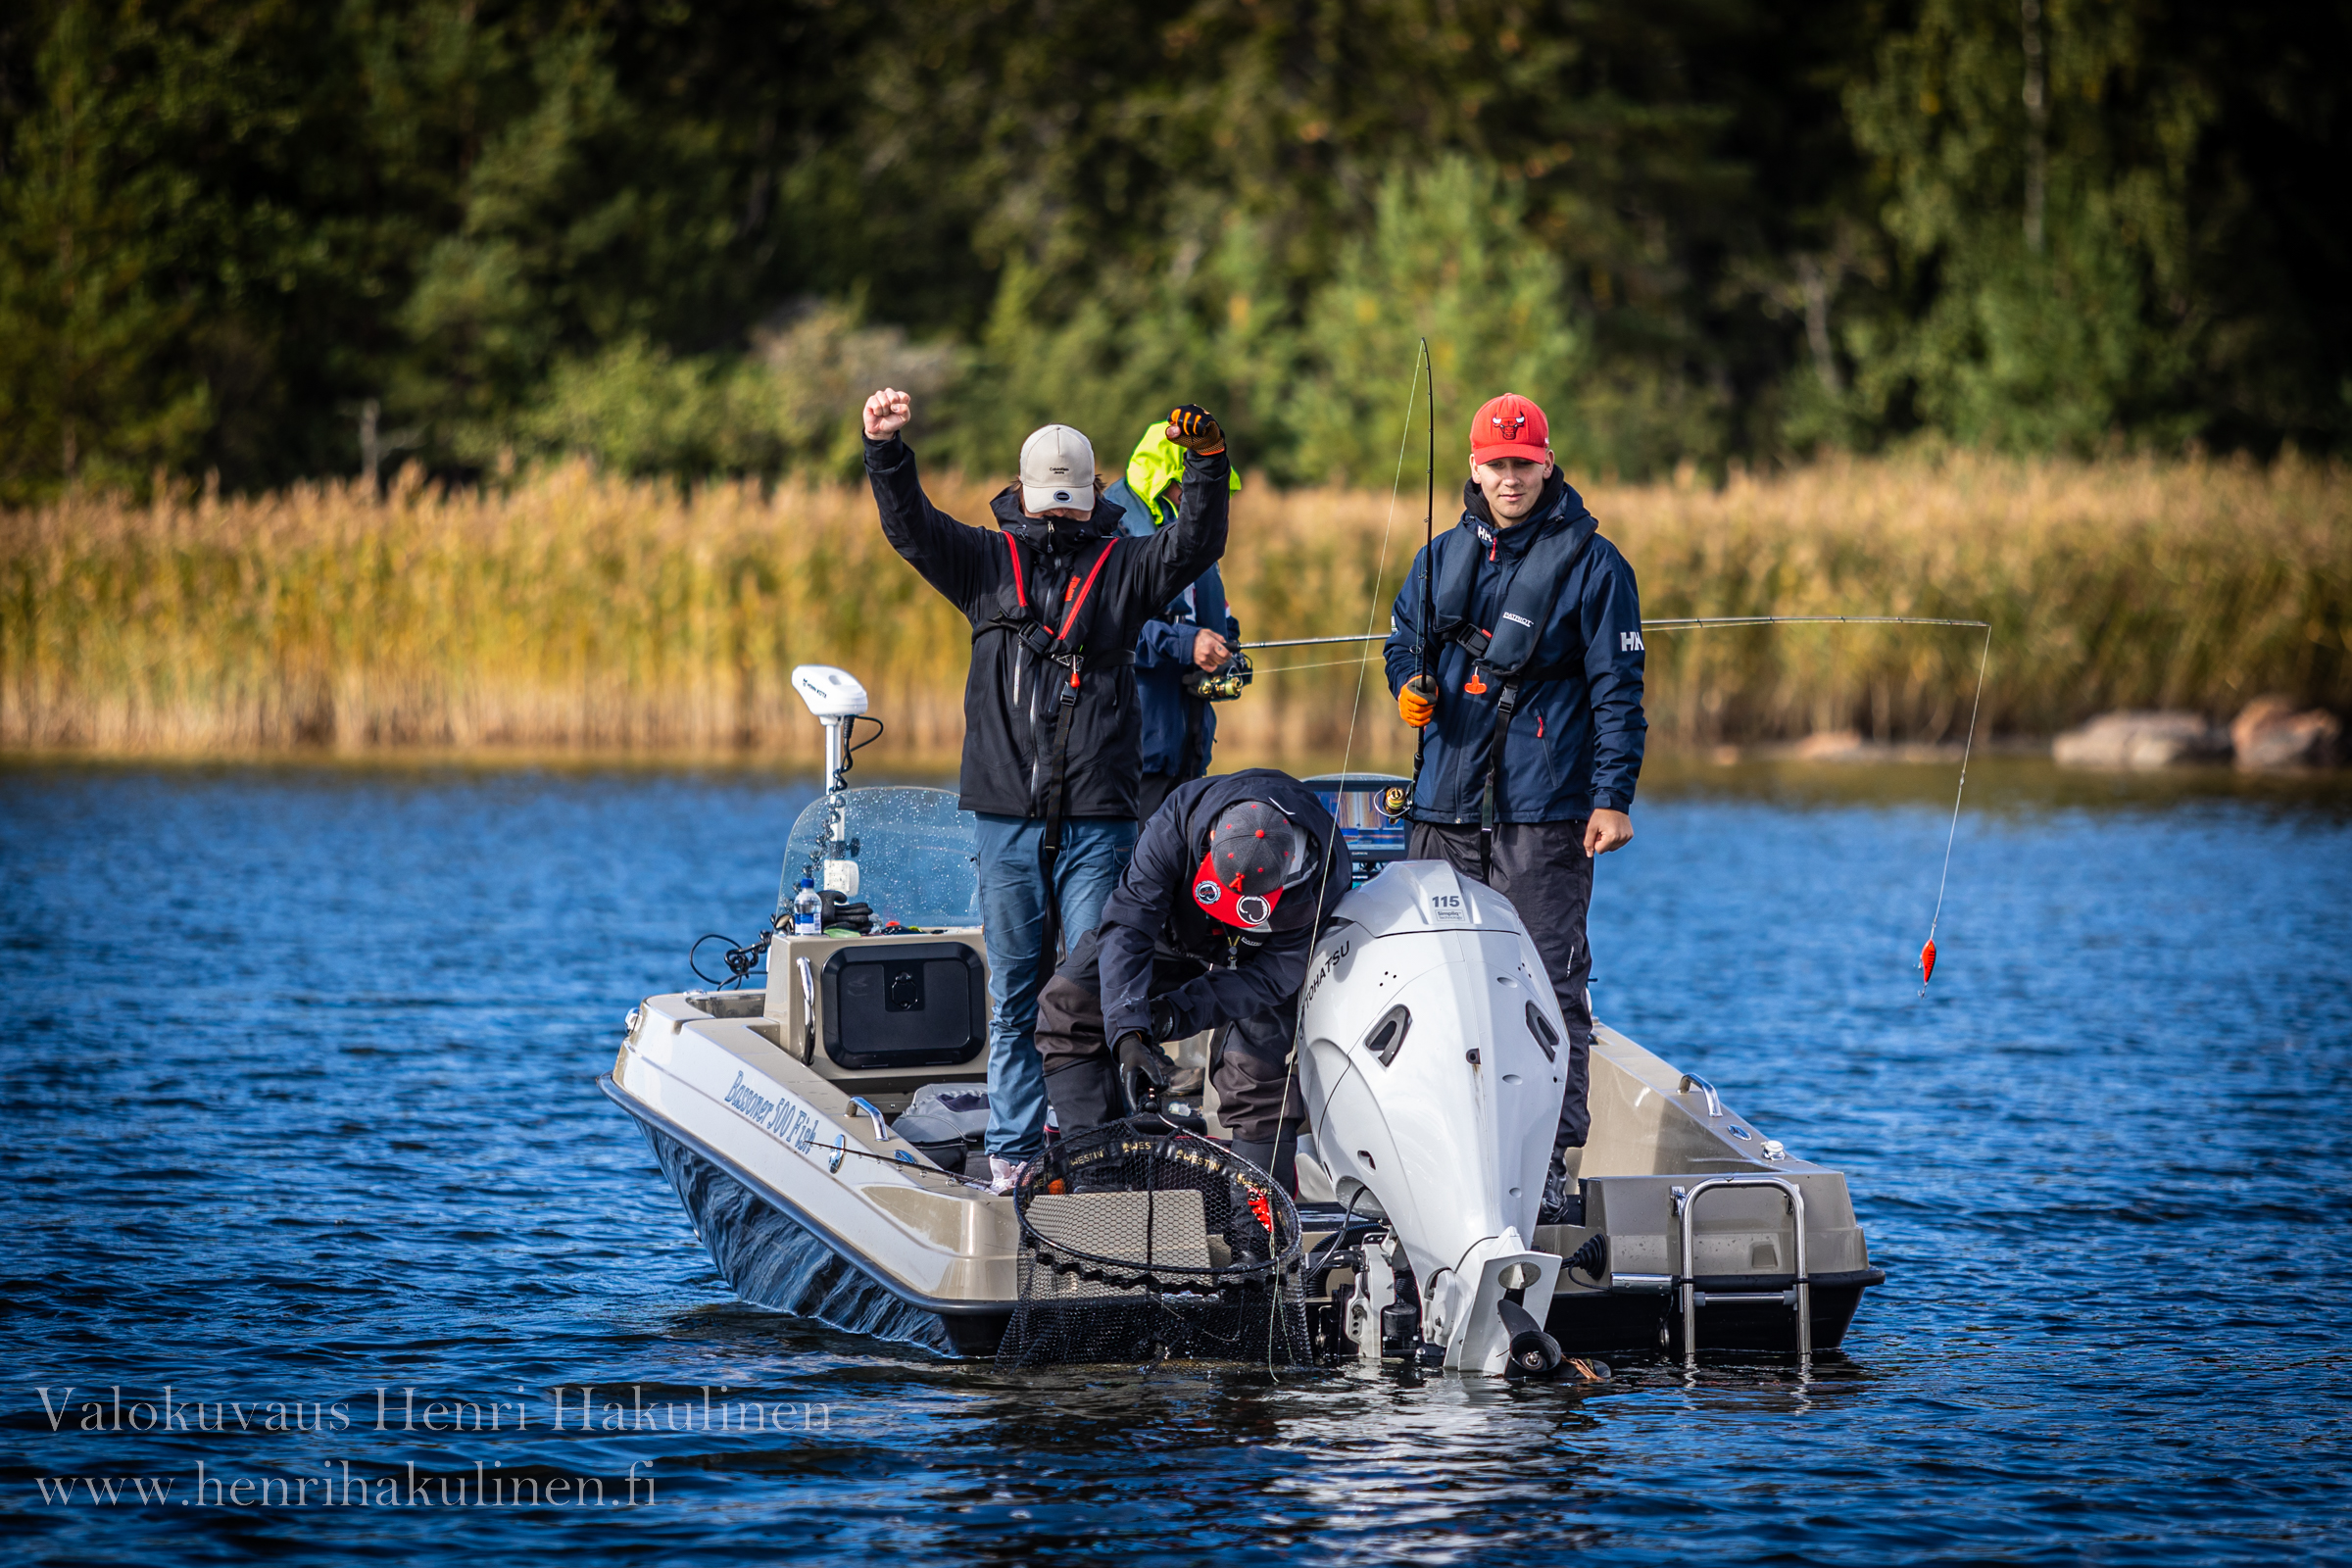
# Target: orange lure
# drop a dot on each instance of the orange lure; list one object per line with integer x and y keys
{"x": 1927, "y": 964}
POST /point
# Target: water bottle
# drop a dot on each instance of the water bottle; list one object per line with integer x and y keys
{"x": 807, "y": 910}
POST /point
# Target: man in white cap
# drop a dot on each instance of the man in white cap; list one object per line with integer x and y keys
{"x": 1052, "y": 751}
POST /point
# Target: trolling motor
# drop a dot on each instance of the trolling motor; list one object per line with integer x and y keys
{"x": 839, "y": 700}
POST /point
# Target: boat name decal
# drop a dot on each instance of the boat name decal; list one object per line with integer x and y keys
{"x": 784, "y": 1117}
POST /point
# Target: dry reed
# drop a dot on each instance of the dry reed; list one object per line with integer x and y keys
{"x": 578, "y": 612}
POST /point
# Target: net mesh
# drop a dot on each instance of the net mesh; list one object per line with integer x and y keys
{"x": 1142, "y": 1242}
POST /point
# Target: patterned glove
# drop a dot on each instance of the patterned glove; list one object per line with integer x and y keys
{"x": 1195, "y": 429}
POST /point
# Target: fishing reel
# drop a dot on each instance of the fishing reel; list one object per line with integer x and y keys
{"x": 1222, "y": 687}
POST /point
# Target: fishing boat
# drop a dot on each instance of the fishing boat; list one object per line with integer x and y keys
{"x": 819, "y": 1128}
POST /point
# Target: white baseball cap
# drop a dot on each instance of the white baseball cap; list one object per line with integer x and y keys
{"x": 1057, "y": 469}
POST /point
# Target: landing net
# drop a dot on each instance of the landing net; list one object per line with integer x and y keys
{"x": 1143, "y": 1242}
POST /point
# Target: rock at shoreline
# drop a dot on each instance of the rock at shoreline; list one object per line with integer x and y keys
{"x": 1831, "y": 746}
{"x": 2271, "y": 733}
{"x": 2141, "y": 740}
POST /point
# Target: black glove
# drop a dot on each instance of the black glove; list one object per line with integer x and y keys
{"x": 1139, "y": 1055}
{"x": 1163, "y": 1022}
{"x": 1143, "y": 1074}
{"x": 1195, "y": 429}
{"x": 839, "y": 912}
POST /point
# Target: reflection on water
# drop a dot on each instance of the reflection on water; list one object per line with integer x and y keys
{"x": 299, "y": 1114}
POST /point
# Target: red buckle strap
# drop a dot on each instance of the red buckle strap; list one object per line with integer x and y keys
{"x": 1079, "y": 603}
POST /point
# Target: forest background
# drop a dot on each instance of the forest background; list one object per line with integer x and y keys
{"x": 249, "y": 246}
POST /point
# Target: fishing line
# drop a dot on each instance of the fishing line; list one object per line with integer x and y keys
{"x": 1380, "y": 570}
{"x": 1320, "y": 663}
{"x": 1927, "y": 953}
{"x": 1684, "y": 623}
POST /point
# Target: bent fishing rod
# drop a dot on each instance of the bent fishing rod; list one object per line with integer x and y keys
{"x": 1927, "y": 952}
{"x": 1676, "y": 623}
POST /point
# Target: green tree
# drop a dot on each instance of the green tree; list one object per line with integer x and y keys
{"x": 1449, "y": 258}
{"x": 2036, "y": 162}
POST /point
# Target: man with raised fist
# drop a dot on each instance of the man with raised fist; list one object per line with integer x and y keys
{"x": 1055, "y": 595}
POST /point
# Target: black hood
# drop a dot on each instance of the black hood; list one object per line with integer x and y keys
{"x": 1555, "y": 495}
{"x": 1055, "y": 535}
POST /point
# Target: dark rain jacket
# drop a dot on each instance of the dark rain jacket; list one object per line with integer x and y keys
{"x": 1180, "y": 731}
{"x": 1011, "y": 696}
{"x": 1574, "y": 741}
{"x": 1151, "y": 915}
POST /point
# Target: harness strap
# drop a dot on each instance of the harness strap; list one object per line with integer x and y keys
{"x": 1019, "y": 592}
{"x": 1049, "y": 847}
{"x": 1036, "y": 635}
{"x": 1078, "y": 602}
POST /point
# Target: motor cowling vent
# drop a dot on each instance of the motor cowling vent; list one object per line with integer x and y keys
{"x": 1385, "y": 1037}
{"x": 1545, "y": 1036}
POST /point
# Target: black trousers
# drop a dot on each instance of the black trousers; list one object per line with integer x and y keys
{"x": 1542, "y": 868}
{"x": 1248, "y": 1061}
{"x": 1153, "y": 789}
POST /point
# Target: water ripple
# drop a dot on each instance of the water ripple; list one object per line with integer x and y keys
{"x": 301, "y": 1119}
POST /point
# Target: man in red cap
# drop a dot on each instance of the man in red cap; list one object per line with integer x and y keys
{"x": 1210, "y": 928}
{"x": 1515, "y": 648}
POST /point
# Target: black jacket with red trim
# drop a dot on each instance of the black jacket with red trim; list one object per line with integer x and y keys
{"x": 1091, "y": 587}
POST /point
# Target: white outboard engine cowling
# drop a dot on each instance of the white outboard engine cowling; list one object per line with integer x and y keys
{"x": 1434, "y": 1058}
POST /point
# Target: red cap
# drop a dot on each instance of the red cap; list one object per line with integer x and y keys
{"x": 1251, "y": 856}
{"x": 1510, "y": 426}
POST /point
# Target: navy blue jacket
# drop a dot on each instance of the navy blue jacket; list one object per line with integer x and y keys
{"x": 1151, "y": 915}
{"x": 1574, "y": 741}
{"x": 1163, "y": 652}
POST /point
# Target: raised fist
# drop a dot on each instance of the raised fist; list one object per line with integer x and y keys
{"x": 887, "y": 413}
{"x": 1195, "y": 429}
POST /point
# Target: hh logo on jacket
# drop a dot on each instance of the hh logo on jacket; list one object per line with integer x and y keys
{"x": 1629, "y": 642}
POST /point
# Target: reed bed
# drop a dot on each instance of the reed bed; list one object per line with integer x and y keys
{"x": 575, "y": 612}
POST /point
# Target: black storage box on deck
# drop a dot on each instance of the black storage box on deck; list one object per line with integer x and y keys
{"x": 907, "y": 1004}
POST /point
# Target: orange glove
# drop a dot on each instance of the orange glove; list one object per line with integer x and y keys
{"x": 1195, "y": 429}
{"x": 1417, "y": 700}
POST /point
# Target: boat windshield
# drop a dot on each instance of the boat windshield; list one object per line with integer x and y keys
{"x": 908, "y": 852}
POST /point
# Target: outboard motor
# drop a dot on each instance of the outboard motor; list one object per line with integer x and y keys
{"x": 1432, "y": 1061}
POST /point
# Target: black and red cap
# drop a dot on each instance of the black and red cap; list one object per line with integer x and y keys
{"x": 1253, "y": 852}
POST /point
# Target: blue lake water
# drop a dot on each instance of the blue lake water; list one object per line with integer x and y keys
{"x": 299, "y": 1106}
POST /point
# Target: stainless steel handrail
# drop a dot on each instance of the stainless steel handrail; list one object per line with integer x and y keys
{"x": 1714, "y": 1101}
{"x": 882, "y": 1128}
{"x": 1685, "y": 1203}
{"x": 807, "y": 1012}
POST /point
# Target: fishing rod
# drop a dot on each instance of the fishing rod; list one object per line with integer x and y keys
{"x": 1926, "y": 950}
{"x": 1424, "y": 682}
{"x": 1678, "y": 623}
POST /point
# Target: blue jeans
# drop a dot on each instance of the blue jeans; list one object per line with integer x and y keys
{"x": 1094, "y": 852}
